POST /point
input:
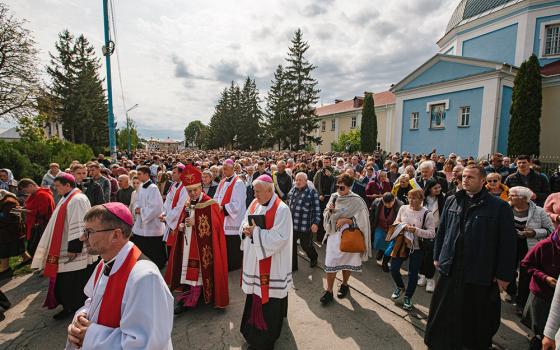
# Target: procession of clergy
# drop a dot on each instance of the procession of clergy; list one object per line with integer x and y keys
{"x": 105, "y": 263}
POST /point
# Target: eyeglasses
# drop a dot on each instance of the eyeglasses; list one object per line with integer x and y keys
{"x": 491, "y": 180}
{"x": 88, "y": 232}
{"x": 340, "y": 188}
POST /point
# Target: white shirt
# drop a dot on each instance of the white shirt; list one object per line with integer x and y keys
{"x": 172, "y": 214}
{"x": 146, "y": 309}
{"x": 235, "y": 208}
{"x": 149, "y": 200}
{"x": 275, "y": 243}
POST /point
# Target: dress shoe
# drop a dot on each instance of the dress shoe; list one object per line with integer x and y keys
{"x": 343, "y": 291}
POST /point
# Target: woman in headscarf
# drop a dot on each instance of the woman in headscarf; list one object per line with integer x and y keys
{"x": 344, "y": 209}
{"x": 7, "y": 181}
{"x": 12, "y": 233}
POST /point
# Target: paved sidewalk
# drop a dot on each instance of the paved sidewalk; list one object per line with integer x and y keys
{"x": 367, "y": 319}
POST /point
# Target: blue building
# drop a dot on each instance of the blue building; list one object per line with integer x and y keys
{"x": 459, "y": 100}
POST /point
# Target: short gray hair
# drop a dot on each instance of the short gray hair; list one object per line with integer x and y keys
{"x": 426, "y": 164}
{"x": 265, "y": 184}
{"x": 522, "y": 191}
{"x": 301, "y": 174}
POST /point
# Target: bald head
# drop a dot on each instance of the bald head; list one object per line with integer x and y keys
{"x": 124, "y": 181}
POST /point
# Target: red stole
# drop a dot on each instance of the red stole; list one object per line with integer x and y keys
{"x": 265, "y": 264}
{"x": 176, "y": 196}
{"x": 218, "y": 288}
{"x": 110, "y": 309}
{"x": 229, "y": 191}
{"x": 51, "y": 267}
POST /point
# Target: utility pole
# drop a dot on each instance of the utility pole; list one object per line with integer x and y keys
{"x": 128, "y": 127}
{"x": 107, "y": 52}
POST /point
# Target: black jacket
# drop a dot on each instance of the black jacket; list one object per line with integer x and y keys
{"x": 359, "y": 189}
{"x": 93, "y": 191}
{"x": 535, "y": 182}
{"x": 555, "y": 182}
{"x": 489, "y": 238}
{"x": 440, "y": 180}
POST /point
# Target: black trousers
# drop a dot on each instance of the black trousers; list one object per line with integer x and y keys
{"x": 69, "y": 288}
{"x": 321, "y": 232}
{"x": 427, "y": 267}
{"x": 151, "y": 247}
{"x": 234, "y": 252}
{"x": 306, "y": 242}
{"x": 520, "y": 289}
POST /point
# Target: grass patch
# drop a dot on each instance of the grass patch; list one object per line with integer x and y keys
{"x": 14, "y": 262}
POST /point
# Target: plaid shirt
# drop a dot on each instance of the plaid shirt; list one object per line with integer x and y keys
{"x": 304, "y": 205}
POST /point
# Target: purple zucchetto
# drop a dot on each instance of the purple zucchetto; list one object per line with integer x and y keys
{"x": 265, "y": 178}
{"x": 120, "y": 211}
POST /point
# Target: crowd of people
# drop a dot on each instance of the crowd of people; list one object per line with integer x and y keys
{"x": 129, "y": 243}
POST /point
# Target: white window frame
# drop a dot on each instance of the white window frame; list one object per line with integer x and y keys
{"x": 544, "y": 25}
{"x": 333, "y": 124}
{"x": 414, "y": 120}
{"x": 323, "y": 126}
{"x": 445, "y": 108}
{"x": 353, "y": 122}
{"x": 464, "y": 115}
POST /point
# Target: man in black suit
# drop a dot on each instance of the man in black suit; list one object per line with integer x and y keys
{"x": 427, "y": 172}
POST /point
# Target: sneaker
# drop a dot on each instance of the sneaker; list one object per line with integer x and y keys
{"x": 421, "y": 280}
{"x": 179, "y": 308}
{"x": 327, "y": 298}
{"x": 343, "y": 291}
{"x": 407, "y": 305}
{"x": 397, "y": 293}
{"x": 430, "y": 285}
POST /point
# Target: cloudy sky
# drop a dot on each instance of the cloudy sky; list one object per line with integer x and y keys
{"x": 177, "y": 55}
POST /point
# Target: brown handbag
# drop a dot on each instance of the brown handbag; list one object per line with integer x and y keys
{"x": 352, "y": 241}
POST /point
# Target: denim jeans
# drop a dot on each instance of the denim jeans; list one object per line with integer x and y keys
{"x": 414, "y": 262}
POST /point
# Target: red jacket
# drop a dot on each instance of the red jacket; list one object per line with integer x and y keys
{"x": 41, "y": 205}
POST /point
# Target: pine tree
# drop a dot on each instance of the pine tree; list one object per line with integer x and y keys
{"x": 525, "y": 127}
{"x": 277, "y": 112}
{"x": 303, "y": 94}
{"x": 368, "y": 133}
{"x": 78, "y": 92}
{"x": 249, "y": 129}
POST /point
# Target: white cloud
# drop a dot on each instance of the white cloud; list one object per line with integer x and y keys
{"x": 176, "y": 56}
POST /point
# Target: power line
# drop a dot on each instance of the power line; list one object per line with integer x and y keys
{"x": 116, "y": 40}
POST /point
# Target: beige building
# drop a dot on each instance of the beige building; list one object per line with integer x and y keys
{"x": 344, "y": 116}
{"x": 550, "y": 117}
{"x": 166, "y": 145}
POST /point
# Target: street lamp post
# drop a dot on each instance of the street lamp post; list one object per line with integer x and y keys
{"x": 128, "y": 126}
{"x": 108, "y": 49}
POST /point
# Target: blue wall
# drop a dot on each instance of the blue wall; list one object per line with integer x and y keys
{"x": 498, "y": 45}
{"x": 503, "y": 132}
{"x": 445, "y": 71}
{"x": 463, "y": 141}
{"x": 537, "y": 40}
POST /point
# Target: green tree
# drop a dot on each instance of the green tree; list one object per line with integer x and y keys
{"x": 303, "y": 94}
{"x": 196, "y": 134}
{"x": 249, "y": 122}
{"x": 18, "y": 67}
{"x": 524, "y": 127}
{"x": 77, "y": 91}
{"x": 31, "y": 129}
{"x": 348, "y": 142}
{"x": 122, "y": 137}
{"x": 368, "y": 137}
{"x": 277, "y": 113}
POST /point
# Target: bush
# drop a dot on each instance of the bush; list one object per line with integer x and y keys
{"x": 32, "y": 158}
{"x": 352, "y": 140}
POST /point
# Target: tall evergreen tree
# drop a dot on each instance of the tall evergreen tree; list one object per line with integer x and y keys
{"x": 368, "y": 133}
{"x": 249, "y": 129}
{"x": 303, "y": 94}
{"x": 78, "y": 91}
{"x": 524, "y": 127}
{"x": 277, "y": 115}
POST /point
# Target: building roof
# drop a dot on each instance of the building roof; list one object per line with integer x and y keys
{"x": 551, "y": 69}
{"x": 9, "y": 134}
{"x": 468, "y": 9}
{"x": 379, "y": 99}
{"x": 168, "y": 140}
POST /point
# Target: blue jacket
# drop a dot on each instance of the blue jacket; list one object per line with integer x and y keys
{"x": 489, "y": 238}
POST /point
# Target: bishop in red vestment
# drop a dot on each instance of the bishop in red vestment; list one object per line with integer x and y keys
{"x": 198, "y": 258}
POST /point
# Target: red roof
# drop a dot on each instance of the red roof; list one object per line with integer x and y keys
{"x": 551, "y": 69}
{"x": 380, "y": 99}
